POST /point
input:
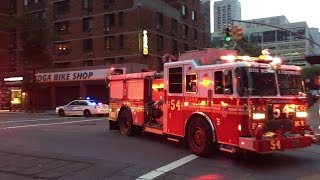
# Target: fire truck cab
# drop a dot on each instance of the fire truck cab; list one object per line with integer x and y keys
{"x": 215, "y": 101}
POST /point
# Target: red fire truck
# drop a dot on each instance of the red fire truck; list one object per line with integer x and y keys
{"x": 215, "y": 100}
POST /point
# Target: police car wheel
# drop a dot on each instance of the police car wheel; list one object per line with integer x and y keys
{"x": 200, "y": 137}
{"x": 61, "y": 112}
{"x": 86, "y": 113}
{"x": 125, "y": 123}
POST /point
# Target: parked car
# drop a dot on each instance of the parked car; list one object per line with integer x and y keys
{"x": 82, "y": 107}
{"x": 312, "y": 98}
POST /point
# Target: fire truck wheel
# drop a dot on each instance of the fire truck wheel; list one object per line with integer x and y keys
{"x": 199, "y": 137}
{"x": 125, "y": 123}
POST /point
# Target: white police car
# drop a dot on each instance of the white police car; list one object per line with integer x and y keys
{"x": 85, "y": 107}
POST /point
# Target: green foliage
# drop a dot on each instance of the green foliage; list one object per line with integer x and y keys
{"x": 247, "y": 48}
{"x": 309, "y": 75}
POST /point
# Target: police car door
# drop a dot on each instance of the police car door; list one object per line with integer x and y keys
{"x": 69, "y": 109}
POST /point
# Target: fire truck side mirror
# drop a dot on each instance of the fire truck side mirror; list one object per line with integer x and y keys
{"x": 227, "y": 91}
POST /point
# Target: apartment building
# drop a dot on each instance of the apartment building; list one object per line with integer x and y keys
{"x": 90, "y": 37}
{"x": 224, "y": 12}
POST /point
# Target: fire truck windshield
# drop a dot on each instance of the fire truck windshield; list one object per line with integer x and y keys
{"x": 290, "y": 82}
{"x": 262, "y": 82}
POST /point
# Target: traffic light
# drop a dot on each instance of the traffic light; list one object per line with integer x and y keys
{"x": 229, "y": 34}
{"x": 238, "y": 33}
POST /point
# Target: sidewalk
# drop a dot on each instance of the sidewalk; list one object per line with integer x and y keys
{"x": 48, "y": 112}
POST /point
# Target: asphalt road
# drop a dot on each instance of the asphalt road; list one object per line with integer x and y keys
{"x": 44, "y": 146}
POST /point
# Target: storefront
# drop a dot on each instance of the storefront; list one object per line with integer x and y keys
{"x": 11, "y": 94}
{"x": 58, "y": 88}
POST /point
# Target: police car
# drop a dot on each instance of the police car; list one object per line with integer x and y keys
{"x": 85, "y": 107}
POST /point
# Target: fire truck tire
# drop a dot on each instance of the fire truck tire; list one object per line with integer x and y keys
{"x": 125, "y": 123}
{"x": 200, "y": 137}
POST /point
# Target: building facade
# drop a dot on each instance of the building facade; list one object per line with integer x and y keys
{"x": 205, "y": 11}
{"x": 224, "y": 12}
{"x": 91, "y": 37}
{"x": 289, "y": 41}
{"x": 290, "y": 45}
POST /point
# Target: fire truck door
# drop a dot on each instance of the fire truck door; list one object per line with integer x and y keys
{"x": 174, "y": 115}
{"x": 173, "y": 121}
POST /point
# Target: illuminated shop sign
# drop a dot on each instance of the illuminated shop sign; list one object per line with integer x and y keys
{"x": 145, "y": 47}
{"x": 98, "y": 74}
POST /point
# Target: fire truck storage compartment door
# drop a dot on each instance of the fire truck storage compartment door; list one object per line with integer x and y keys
{"x": 135, "y": 89}
{"x": 116, "y": 89}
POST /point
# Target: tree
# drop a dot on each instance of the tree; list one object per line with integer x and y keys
{"x": 309, "y": 75}
{"x": 248, "y": 48}
{"x": 34, "y": 38}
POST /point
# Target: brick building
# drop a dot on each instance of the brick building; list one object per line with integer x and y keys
{"x": 91, "y": 36}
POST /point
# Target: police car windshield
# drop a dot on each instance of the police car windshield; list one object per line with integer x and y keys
{"x": 290, "y": 82}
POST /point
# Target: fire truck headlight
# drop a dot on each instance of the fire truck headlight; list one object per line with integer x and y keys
{"x": 301, "y": 114}
{"x": 258, "y": 116}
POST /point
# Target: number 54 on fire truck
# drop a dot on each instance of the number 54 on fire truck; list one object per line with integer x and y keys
{"x": 215, "y": 100}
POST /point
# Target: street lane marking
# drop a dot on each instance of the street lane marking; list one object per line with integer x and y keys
{"x": 34, "y": 125}
{"x": 30, "y": 120}
{"x": 155, "y": 173}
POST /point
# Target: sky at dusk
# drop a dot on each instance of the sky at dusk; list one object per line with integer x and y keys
{"x": 294, "y": 10}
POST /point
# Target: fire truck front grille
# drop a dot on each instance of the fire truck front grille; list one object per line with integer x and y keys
{"x": 279, "y": 124}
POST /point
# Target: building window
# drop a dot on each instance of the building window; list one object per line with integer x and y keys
{"x": 109, "y": 61}
{"x": 184, "y": 10}
{"x": 195, "y": 34}
{"x": 107, "y": 3}
{"x": 87, "y": 45}
{"x": 26, "y": 2}
{"x": 175, "y": 80}
{"x": 185, "y": 30}
{"x": 185, "y": 47}
{"x": 194, "y": 16}
{"x": 159, "y": 19}
{"x": 61, "y": 65}
{"x": 87, "y": 25}
{"x": 174, "y": 25}
{"x": 62, "y": 27}
{"x": 61, "y": 7}
{"x": 88, "y": 63}
{"x": 121, "y": 41}
{"x": 109, "y": 42}
{"x": 120, "y": 18}
{"x": 174, "y": 46}
{"x": 121, "y": 60}
{"x": 62, "y": 48}
{"x": 159, "y": 43}
{"x": 109, "y": 20}
{"x": 87, "y": 5}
